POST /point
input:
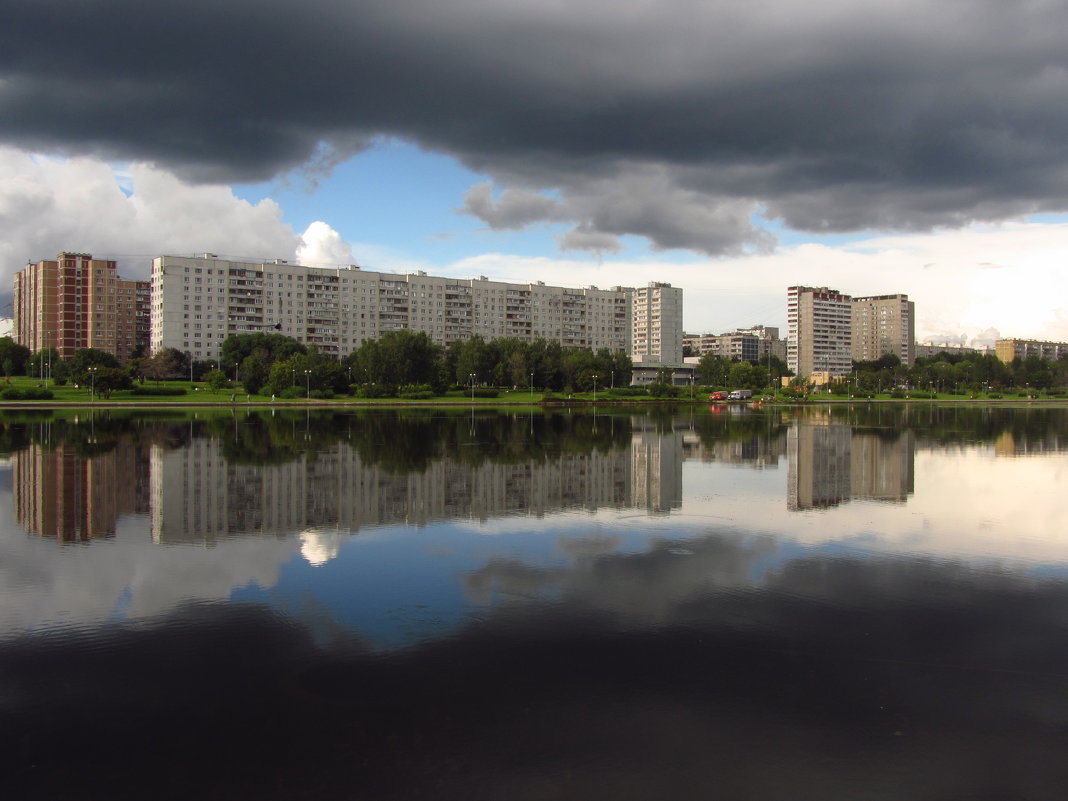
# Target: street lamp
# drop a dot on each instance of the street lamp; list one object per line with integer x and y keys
{"x": 92, "y": 382}
{"x": 595, "y": 387}
{"x": 532, "y": 386}
{"x": 307, "y": 382}
{"x": 471, "y": 381}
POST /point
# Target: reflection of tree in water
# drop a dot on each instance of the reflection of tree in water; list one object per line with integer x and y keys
{"x": 408, "y": 440}
{"x": 404, "y": 442}
{"x": 761, "y": 427}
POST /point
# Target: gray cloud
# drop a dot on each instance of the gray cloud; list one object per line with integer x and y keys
{"x": 674, "y": 121}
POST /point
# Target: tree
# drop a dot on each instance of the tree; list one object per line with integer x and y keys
{"x": 84, "y": 358}
{"x": 108, "y": 379}
{"x": 395, "y": 359}
{"x": 44, "y": 363}
{"x": 269, "y": 347}
{"x": 254, "y": 373}
{"x": 216, "y": 379}
{"x": 713, "y": 370}
{"x": 166, "y": 365}
{"x": 473, "y": 359}
{"x": 14, "y": 357}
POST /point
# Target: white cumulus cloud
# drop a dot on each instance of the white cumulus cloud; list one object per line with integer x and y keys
{"x": 48, "y": 206}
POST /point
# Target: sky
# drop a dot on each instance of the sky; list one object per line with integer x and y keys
{"x": 733, "y": 148}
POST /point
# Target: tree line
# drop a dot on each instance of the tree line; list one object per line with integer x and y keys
{"x": 274, "y": 364}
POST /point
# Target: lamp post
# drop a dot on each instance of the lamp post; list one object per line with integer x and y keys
{"x": 307, "y": 383}
{"x": 532, "y": 386}
{"x": 471, "y": 381}
{"x": 595, "y": 387}
{"x": 92, "y": 382}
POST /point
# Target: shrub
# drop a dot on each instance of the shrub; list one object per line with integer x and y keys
{"x": 627, "y": 392}
{"x": 30, "y": 393}
{"x": 158, "y": 391}
{"x": 659, "y": 390}
{"x": 373, "y": 391}
{"x": 485, "y": 392}
{"x": 897, "y": 392}
{"x": 415, "y": 392}
{"x": 291, "y": 392}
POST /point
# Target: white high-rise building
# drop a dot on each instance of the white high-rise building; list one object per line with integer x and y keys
{"x": 657, "y": 315}
{"x": 197, "y": 302}
{"x": 819, "y": 338}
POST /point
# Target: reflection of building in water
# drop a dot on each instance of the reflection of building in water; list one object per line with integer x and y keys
{"x": 817, "y": 465}
{"x": 830, "y": 463}
{"x": 657, "y": 464}
{"x": 881, "y": 468}
{"x": 1016, "y": 443}
{"x": 198, "y": 495}
{"x": 59, "y": 493}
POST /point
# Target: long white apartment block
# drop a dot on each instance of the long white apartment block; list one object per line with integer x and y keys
{"x": 197, "y": 302}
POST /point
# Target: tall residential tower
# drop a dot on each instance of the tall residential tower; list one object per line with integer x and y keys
{"x": 77, "y": 301}
{"x": 884, "y": 324}
{"x": 819, "y": 338}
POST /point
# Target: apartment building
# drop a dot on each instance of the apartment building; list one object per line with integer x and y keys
{"x": 926, "y": 349}
{"x": 748, "y": 344}
{"x": 884, "y": 324}
{"x": 197, "y": 302}
{"x": 657, "y": 323}
{"x": 819, "y": 337}
{"x": 1009, "y": 349}
{"x": 76, "y": 301}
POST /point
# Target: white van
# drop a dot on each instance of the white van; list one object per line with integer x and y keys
{"x": 740, "y": 394}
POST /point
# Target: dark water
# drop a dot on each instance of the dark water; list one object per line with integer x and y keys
{"x": 865, "y": 603}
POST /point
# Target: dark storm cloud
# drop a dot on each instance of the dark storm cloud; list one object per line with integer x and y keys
{"x": 672, "y": 120}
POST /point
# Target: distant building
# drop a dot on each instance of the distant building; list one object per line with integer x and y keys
{"x": 882, "y": 325}
{"x": 819, "y": 337}
{"x": 928, "y": 349}
{"x": 77, "y": 301}
{"x": 1009, "y": 349}
{"x": 749, "y": 344}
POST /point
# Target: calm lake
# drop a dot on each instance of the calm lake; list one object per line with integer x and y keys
{"x": 865, "y": 602}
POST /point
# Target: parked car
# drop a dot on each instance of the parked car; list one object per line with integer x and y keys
{"x": 718, "y": 396}
{"x": 740, "y": 394}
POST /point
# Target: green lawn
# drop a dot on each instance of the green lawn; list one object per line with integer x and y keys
{"x": 200, "y": 393}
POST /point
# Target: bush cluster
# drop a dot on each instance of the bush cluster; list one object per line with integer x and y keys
{"x": 30, "y": 393}
{"x": 157, "y": 391}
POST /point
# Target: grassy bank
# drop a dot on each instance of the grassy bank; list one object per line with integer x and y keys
{"x": 198, "y": 393}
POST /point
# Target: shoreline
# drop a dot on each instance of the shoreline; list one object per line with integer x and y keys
{"x": 490, "y": 403}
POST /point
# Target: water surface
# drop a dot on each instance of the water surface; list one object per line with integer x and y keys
{"x": 858, "y": 602}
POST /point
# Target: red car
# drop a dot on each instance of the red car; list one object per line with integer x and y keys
{"x": 718, "y": 396}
